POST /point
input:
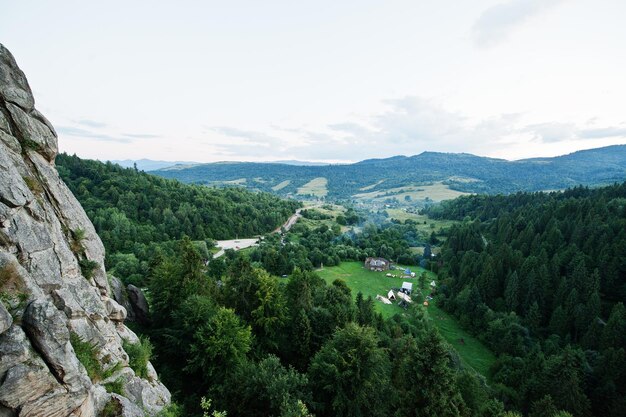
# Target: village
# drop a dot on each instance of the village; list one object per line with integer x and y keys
{"x": 401, "y": 295}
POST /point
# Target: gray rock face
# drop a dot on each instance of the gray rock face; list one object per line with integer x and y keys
{"x": 139, "y": 304}
{"x": 48, "y": 332}
{"x": 48, "y": 297}
{"x": 5, "y": 319}
{"x": 119, "y": 294}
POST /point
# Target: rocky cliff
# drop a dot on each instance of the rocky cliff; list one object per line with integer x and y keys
{"x": 57, "y": 318}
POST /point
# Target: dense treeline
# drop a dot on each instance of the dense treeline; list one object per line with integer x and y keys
{"x": 541, "y": 278}
{"x": 261, "y": 346}
{"x": 134, "y": 212}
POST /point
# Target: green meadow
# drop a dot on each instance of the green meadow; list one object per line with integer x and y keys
{"x": 472, "y": 352}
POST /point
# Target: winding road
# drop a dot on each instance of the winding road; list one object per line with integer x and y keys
{"x": 238, "y": 244}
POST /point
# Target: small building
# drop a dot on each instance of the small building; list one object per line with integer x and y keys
{"x": 377, "y": 264}
{"x": 407, "y": 287}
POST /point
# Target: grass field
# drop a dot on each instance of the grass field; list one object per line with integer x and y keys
{"x": 316, "y": 187}
{"x": 472, "y": 352}
{"x": 281, "y": 185}
{"x": 368, "y": 282}
{"x": 427, "y": 227}
{"x": 369, "y": 187}
{"x": 436, "y": 192}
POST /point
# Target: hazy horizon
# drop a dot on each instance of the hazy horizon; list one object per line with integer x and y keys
{"x": 294, "y": 161}
{"x": 325, "y": 82}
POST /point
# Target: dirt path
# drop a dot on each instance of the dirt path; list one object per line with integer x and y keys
{"x": 290, "y": 221}
{"x": 238, "y": 244}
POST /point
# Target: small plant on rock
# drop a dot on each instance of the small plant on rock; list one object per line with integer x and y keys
{"x": 87, "y": 355}
{"x": 76, "y": 244}
{"x": 139, "y": 355}
{"x": 87, "y": 267}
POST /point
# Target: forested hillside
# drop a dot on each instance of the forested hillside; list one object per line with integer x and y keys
{"x": 134, "y": 212}
{"x": 461, "y": 172}
{"x": 541, "y": 278}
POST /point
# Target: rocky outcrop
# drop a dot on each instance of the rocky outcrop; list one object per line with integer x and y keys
{"x": 53, "y": 284}
{"x": 139, "y": 305}
{"x": 120, "y": 295}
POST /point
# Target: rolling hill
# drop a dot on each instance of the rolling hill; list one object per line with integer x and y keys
{"x": 432, "y": 175}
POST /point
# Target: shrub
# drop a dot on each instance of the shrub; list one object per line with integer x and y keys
{"x": 87, "y": 267}
{"x": 116, "y": 386}
{"x": 172, "y": 410}
{"x": 87, "y": 356}
{"x": 29, "y": 144}
{"x": 112, "y": 409}
{"x": 138, "y": 356}
{"x": 76, "y": 244}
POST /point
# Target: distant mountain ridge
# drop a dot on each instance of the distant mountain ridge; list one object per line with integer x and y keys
{"x": 152, "y": 165}
{"x": 149, "y": 164}
{"x": 455, "y": 171}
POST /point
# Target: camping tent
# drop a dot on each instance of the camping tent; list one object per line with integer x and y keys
{"x": 391, "y": 295}
{"x": 408, "y": 287}
{"x": 405, "y": 297}
{"x": 433, "y": 284}
{"x": 383, "y": 299}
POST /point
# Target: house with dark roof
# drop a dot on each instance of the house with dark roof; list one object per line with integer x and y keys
{"x": 377, "y": 264}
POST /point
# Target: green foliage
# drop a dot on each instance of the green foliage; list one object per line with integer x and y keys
{"x": 116, "y": 386}
{"x": 112, "y": 409}
{"x": 139, "y": 355}
{"x": 87, "y": 267}
{"x": 205, "y": 404}
{"x": 541, "y": 278}
{"x": 172, "y": 410}
{"x": 87, "y": 354}
{"x": 350, "y": 375}
{"x": 139, "y": 214}
{"x": 220, "y": 340}
{"x": 597, "y": 166}
{"x": 77, "y": 238}
{"x": 266, "y": 388}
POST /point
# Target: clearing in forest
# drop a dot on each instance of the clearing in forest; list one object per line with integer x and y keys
{"x": 317, "y": 187}
{"x": 281, "y": 185}
{"x": 436, "y": 192}
{"x": 471, "y": 351}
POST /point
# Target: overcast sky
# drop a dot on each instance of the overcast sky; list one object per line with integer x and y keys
{"x": 323, "y": 80}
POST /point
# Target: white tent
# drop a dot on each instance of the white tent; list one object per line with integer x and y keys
{"x": 433, "y": 284}
{"x": 405, "y": 297}
{"x": 391, "y": 295}
{"x": 407, "y": 286}
{"x": 383, "y": 299}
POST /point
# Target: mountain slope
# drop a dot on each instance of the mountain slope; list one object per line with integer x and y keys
{"x": 462, "y": 172}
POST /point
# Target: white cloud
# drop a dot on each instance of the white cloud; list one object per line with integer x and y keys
{"x": 498, "y": 21}
{"x": 409, "y": 126}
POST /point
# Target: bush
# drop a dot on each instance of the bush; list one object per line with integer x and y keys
{"x": 116, "y": 387}
{"x": 139, "y": 355}
{"x": 76, "y": 244}
{"x": 172, "y": 410}
{"x": 87, "y": 356}
{"x": 112, "y": 409}
{"x": 87, "y": 267}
